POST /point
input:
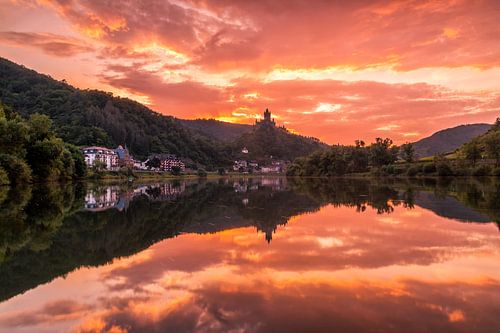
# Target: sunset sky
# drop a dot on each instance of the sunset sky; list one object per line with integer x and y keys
{"x": 337, "y": 70}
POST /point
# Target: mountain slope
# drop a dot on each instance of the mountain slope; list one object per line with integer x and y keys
{"x": 265, "y": 141}
{"x": 449, "y": 139}
{"x": 91, "y": 117}
{"x": 215, "y": 129}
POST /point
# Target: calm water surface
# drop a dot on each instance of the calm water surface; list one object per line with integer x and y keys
{"x": 252, "y": 255}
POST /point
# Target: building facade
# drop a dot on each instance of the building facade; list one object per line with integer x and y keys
{"x": 165, "y": 162}
{"x": 108, "y": 157}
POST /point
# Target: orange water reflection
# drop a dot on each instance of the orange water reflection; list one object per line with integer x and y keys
{"x": 332, "y": 270}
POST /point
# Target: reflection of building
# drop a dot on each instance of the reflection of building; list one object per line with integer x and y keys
{"x": 115, "y": 197}
{"x": 267, "y": 121}
{"x": 107, "y": 157}
{"x": 102, "y": 200}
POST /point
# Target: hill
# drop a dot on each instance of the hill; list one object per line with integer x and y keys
{"x": 448, "y": 140}
{"x": 92, "y": 117}
{"x": 486, "y": 145}
{"x": 266, "y": 141}
{"x": 215, "y": 129}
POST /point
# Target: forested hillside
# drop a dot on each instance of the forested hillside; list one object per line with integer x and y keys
{"x": 219, "y": 130}
{"x": 266, "y": 141}
{"x": 91, "y": 117}
{"x": 447, "y": 140}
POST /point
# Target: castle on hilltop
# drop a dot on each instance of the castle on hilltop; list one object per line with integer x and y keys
{"x": 267, "y": 121}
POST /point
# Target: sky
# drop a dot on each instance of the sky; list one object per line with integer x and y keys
{"x": 335, "y": 70}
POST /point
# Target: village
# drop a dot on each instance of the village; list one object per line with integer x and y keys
{"x": 108, "y": 159}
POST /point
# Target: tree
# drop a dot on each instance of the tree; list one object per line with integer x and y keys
{"x": 492, "y": 146}
{"x": 153, "y": 163}
{"x": 382, "y": 152}
{"x": 176, "y": 171}
{"x": 472, "y": 152}
{"x": 408, "y": 152}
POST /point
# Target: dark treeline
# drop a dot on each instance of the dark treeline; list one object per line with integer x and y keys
{"x": 479, "y": 157}
{"x": 341, "y": 160}
{"x": 31, "y": 150}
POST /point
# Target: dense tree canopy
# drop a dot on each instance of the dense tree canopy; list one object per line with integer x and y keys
{"x": 340, "y": 160}
{"x": 30, "y": 150}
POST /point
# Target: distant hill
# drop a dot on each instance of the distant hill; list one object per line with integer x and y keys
{"x": 448, "y": 140}
{"x": 215, "y": 129}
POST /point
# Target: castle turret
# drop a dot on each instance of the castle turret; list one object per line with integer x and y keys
{"x": 267, "y": 119}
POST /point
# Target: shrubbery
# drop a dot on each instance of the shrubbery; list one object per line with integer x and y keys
{"x": 30, "y": 150}
{"x": 482, "y": 170}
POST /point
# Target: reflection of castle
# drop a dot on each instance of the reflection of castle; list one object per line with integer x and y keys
{"x": 267, "y": 121}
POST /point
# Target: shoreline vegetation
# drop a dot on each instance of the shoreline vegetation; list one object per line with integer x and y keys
{"x": 479, "y": 157}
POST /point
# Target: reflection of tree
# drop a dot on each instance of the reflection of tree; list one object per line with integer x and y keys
{"x": 44, "y": 234}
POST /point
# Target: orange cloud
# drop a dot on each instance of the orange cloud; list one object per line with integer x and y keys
{"x": 335, "y": 70}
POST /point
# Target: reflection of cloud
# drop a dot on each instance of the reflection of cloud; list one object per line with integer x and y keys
{"x": 51, "y": 312}
{"x": 297, "y": 305}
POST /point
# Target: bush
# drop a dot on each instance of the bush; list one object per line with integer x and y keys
{"x": 496, "y": 172}
{"x": 443, "y": 169}
{"x": 221, "y": 171}
{"x": 429, "y": 168}
{"x": 482, "y": 170}
{"x": 412, "y": 171}
{"x": 176, "y": 171}
{"x": 202, "y": 173}
{"x": 4, "y": 177}
{"x": 17, "y": 170}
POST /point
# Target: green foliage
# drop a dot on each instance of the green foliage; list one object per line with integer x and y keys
{"x": 408, "y": 152}
{"x": 176, "y": 171}
{"x": 413, "y": 171}
{"x": 443, "y": 169}
{"x": 18, "y": 171}
{"x": 492, "y": 145}
{"x": 383, "y": 152}
{"x": 264, "y": 142}
{"x": 202, "y": 173}
{"x": 4, "y": 177}
{"x": 29, "y": 148}
{"x": 482, "y": 170}
{"x": 429, "y": 168}
{"x": 221, "y": 171}
{"x": 341, "y": 160}
{"x": 472, "y": 152}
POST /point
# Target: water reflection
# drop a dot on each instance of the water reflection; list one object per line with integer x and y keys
{"x": 184, "y": 256}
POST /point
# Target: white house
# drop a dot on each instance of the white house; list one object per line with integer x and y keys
{"x": 105, "y": 155}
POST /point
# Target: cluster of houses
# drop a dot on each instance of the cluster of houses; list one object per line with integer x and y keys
{"x": 114, "y": 159}
{"x": 245, "y": 166}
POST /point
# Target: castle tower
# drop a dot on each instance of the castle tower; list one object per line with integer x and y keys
{"x": 267, "y": 119}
